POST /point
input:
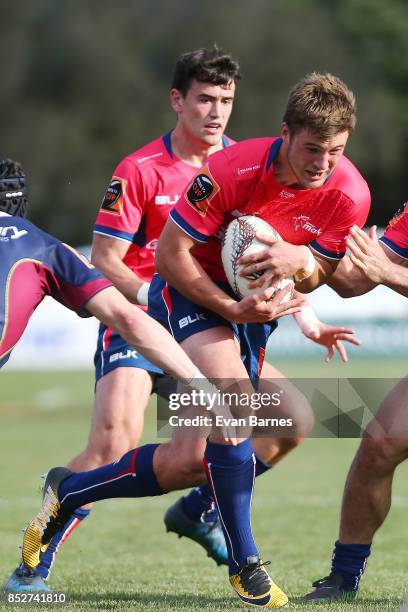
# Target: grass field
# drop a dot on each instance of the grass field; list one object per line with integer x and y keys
{"x": 122, "y": 559}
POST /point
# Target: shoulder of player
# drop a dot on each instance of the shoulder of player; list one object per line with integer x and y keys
{"x": 143, "y": 160}
{"x": 348, "y": 181}
{"x": 245, "y": 158}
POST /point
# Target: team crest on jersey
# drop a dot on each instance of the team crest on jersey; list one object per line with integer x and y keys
{"x": 201, "y": 191}
{"x": 398, "y": 215}
{"x": 113, "y": 198}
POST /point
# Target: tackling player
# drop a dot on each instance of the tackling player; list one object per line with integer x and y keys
{"x": 34, "y": 264}
{"x": 314, "y": 195}
{"x": 367, "y": 494}
{"x": 145, "y": 186}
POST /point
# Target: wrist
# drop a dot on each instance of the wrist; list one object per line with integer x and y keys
{"x": 308, "y": 267}
{"x": 142, "y": 295}
{"x": 307, "y": 321}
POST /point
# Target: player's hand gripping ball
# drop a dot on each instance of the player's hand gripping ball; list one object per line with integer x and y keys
{"x": 239, "y": 240}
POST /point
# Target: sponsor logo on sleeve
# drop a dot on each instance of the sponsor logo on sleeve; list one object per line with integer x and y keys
{"x": 398, "y": 215}
{"x": 113, "y": 198}
{"x": 201, "y": 191}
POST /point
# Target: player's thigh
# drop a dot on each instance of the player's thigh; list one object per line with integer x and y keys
{"x": 121, "y": 398}
{"x": 391, "y": 420}
{"x": 292, "y": 403}
{"x": 185, "y": 454}
{"x": 269, "y": 371}
{"x": 216, "y": 353}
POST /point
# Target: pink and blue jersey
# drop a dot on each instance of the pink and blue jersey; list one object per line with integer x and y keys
{"x": 144, "y": 188}
{"x": 240, "y": 181}
{"x": 396, "y": 235}
{"x": 33, "y": 264}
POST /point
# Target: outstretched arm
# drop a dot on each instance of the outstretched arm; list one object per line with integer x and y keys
{"x": 155, "y": 343}
{"x": 142, "y": 332}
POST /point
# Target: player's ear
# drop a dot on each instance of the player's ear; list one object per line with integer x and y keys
{"x": 176, "y": 100}
{"x": 285, "y": 132}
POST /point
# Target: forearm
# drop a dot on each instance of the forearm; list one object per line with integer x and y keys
{"x": 348, "y": 280}
{"x": 154, "y": 342}
{"x": 397, "y": 279}
{"x": 321, "y": 273}
{"x": 122, "y": 277}
{"x": 183, "y": 272}
{"x": 141, "y": 331}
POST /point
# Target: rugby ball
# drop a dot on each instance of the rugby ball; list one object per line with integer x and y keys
{"x": 239, "y": 239}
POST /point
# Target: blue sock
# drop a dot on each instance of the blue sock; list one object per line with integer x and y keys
{"x": 48, "y": 557}
{"x": 350, "y": 561}
{"x": 130, "y": 476}
{"x": 199, "y": 503}
{"x": 231, "y": 473}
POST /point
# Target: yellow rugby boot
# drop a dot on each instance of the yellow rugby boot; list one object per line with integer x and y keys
{"x": 48, "y": 521}
{"x": 255, "y": 587}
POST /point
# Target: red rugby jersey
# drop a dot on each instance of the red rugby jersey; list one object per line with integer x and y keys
{"x": 240, "y": 181}
{"x": 144, "y": 188}
{"x": 396, "y": 235}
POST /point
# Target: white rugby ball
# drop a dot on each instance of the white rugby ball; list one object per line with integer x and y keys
{"x": 239, "y": 240}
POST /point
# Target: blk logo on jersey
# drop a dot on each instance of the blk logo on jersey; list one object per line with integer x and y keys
{"x": 113, "y": 199}
{"x": 201, "y": 191}
{"x": 11, "y": 233}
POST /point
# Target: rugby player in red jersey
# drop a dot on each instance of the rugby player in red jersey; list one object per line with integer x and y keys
{"x": 144, "y": 188}
{"x": 367, "y": 493}
{"x": 316, "y": 195}
{"x": 312, "y": 194}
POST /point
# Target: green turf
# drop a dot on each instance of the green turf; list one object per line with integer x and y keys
{"x": 122, "y": 558}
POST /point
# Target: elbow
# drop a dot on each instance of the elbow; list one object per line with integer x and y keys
{"x": 97, "y": 260}
{"x": 159, "y": 262}
{"x": 161, "y": 256}
{"x": 345, "y": 292}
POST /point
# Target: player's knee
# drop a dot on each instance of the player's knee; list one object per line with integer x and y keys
{"x": 303, "y": 420}
{"x": 380, "y": 455}
{"x": 189, "y": 467}
{"x": 286, "y": 445}
{"x": 109, "y": 445}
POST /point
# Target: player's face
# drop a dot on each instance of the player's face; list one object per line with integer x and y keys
{"x": 204, "y": 112}
{"x": 311, "y": 159}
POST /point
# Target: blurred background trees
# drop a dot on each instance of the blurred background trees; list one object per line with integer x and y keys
{"x": 85, "y": 83}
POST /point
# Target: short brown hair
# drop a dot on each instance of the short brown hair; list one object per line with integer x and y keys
{"x": 321, "y": 103}
{"x": 207, "y": 66}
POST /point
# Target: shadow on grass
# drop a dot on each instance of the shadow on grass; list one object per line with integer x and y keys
{"x": 143, "y": 600}
{"x": 359, "y": 601}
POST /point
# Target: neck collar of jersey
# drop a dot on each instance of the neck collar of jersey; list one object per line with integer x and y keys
{"x": 167, "y": 142}
{"x": 273, "y": 153}
{"x": 4, "y": 214}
